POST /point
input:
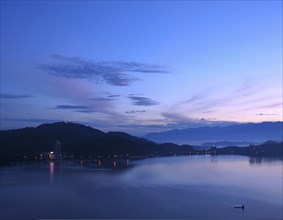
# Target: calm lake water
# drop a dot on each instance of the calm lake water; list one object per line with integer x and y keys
{"x": 192, "y": 187}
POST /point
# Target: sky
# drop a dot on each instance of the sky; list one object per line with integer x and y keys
{"x": 140, "y": 66}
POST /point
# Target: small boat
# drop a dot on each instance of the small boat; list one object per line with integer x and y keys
{"x": 239, "y": 207}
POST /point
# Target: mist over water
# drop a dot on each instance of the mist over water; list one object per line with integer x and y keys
{"x": 198, "y": 187}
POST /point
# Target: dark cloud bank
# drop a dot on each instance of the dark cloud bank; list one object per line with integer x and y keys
{"x": 142, "y": 101}
{"x": 73, "y": 107}
{"x": 12, "y": 96}
{"x": 135, "y": 111}
{"x": 111, "y": 72}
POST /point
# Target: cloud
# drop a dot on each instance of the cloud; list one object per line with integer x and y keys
{"x": 273, "y": 105}
{"x": 135, "y": 111}
{"x": 142, "y": 101}
{"x": 180, "y": 121}
{"x": 98, "y": 105}
{"x": 266, "y": 114}
{"x": 78, "y": 108}
{"x": 195, "y": 98}
{"x": 141, "y": 127}
{"x": 201, "y": 102}
{"x": 103, "y": 99}
{"x": 245, "y": 97}
{"x": 73, "y": 107}
{"x": 12, "y": 96}
{"x": 136, "y": 94}
{"x": 86, "y": 110}
{"x": 266, "y": 106}
{"x": 32, "y": 120}
{"x": 113, "y": 96}
{"x": 110, "y": 72}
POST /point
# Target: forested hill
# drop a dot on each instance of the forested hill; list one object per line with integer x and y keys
{"x": 84, "y": 141}
{"x": 81, "y": 139}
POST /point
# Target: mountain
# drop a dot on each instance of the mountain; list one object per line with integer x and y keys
{"x": 250, "y": 132}
{"x": 84, "y": 142}
{"x": 79, "y": 140}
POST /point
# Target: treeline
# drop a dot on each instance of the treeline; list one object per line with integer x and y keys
{"x": 268, "y": 149}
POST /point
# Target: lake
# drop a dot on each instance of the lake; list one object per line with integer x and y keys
{"x": 189, "y": 187}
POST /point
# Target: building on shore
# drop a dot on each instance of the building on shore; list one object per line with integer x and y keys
{"x": 57, "y": 150}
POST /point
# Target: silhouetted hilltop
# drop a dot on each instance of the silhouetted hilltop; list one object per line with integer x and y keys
{"x": 271, "y": 148}
{"x": 44, "y": 136}
{"x": 79, "y": 140}
{"x": 87, "y": 142}
{"x": 68, "y": 129}
{"x": 250, "y": 132}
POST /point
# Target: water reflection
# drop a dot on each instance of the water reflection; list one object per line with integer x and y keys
{"x": 188, "y": 187}
{"x": 114, "y": 163}
{"x": 255, "y": 160}
{"x": 51, "y": 170}
{"x": 60, "y": 167}
{"x": 232, "y": 171}
{"x": 213, "y": 158}
{"x": 107, "y": 164}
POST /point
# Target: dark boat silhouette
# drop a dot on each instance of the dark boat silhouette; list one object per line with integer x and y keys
{"x": 239, "y": 207}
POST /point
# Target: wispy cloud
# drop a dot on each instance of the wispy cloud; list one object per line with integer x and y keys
{"x": 181, "y": 121}
{"x": 86, "y": 110}
{"x": 33, "y": 120}
{"x": 95, "y": 105}
{"x": 266, "y": 114}
{"x": 266, "y": 106}
{"x": 113, "y": 96}
{"x": 78, "y": 108}
{"x": 142, "y": 101}
{"x": 195, "y": 98}
{"x": 73, "y": 107}
{"x": 103, "y": 99}
{"x": 245, "y": 97}
{"x": 135, "y": 111}
{"x": 13, "y": 96}
{"x": 273, "y": 105}
{"x": 111, "y": 72}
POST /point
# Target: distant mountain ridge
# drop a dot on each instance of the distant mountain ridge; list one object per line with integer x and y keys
{"x": 250, "y": 132}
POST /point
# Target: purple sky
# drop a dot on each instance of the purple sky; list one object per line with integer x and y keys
{"x": 140, "y": 66}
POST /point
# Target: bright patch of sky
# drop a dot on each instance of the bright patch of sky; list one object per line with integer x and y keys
{"x": 140, "y": 66}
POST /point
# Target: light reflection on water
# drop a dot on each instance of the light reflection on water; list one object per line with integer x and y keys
{"x": 51, "y": 168}
{"x": 178, "y": 187}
